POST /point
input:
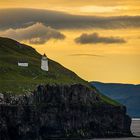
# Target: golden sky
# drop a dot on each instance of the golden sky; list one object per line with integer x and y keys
{"x": 114, "y": 7}
{"x": 96, "y": 61}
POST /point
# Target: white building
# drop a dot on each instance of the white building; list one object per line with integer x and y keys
{"x": 23, "y": 64}
{"x": 44, "y": 63}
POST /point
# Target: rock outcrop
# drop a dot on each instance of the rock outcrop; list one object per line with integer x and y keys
{"x": 55, "y": 111}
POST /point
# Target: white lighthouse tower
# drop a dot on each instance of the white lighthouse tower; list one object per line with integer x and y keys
{"x": 44, "y": 63}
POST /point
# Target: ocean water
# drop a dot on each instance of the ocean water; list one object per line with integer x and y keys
{"x": 135, "y": 128}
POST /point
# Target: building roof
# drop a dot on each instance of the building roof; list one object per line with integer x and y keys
{"x": 22, "y": 62}
{"x": 44, "y": 55}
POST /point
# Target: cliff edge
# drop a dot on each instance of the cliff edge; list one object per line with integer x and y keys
{"x": 61, "y": 111}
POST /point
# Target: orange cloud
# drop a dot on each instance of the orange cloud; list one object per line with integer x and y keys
{"x": 34, "y": 34}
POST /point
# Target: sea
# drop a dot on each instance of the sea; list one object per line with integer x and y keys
{"x": 135, "y": 128}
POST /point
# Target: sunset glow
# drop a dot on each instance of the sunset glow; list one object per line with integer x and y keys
{"x": 113, "y": 57}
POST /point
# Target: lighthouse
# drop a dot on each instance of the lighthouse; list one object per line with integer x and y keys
{"x": 44, "y": 63}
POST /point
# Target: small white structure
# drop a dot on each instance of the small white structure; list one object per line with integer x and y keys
{"x": 23, "y": 64}
{"x": 44, "y": 63}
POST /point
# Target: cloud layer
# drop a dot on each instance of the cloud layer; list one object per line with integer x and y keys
{"x": 16, "y": 18}
{"x": 86, "y": 54}
{"x": 95, "y": 38}
{"x": 34, "y": 34}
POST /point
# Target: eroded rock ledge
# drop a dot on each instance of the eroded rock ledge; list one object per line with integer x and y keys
{"x": 55, "y": 111}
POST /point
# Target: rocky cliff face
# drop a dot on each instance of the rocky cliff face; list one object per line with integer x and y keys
{"x": 60, "y": 111}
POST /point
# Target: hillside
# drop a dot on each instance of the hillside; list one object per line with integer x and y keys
{"x": 127, "y": 94}
{"x": 60, "y": 104}
{"x": 19, "y": 79}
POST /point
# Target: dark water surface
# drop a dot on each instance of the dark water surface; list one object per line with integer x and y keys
{"x": 135, "y": 127}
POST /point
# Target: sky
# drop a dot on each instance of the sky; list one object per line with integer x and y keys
{"x": 98, "y": 40}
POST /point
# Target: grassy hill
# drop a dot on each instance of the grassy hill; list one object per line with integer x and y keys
{"x": 21, "y": 79}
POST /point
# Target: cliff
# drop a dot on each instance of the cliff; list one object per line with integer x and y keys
{"x": 56, "y": 111}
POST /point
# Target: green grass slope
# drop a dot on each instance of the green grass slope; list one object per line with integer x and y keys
{"x": 20, "y": 80}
